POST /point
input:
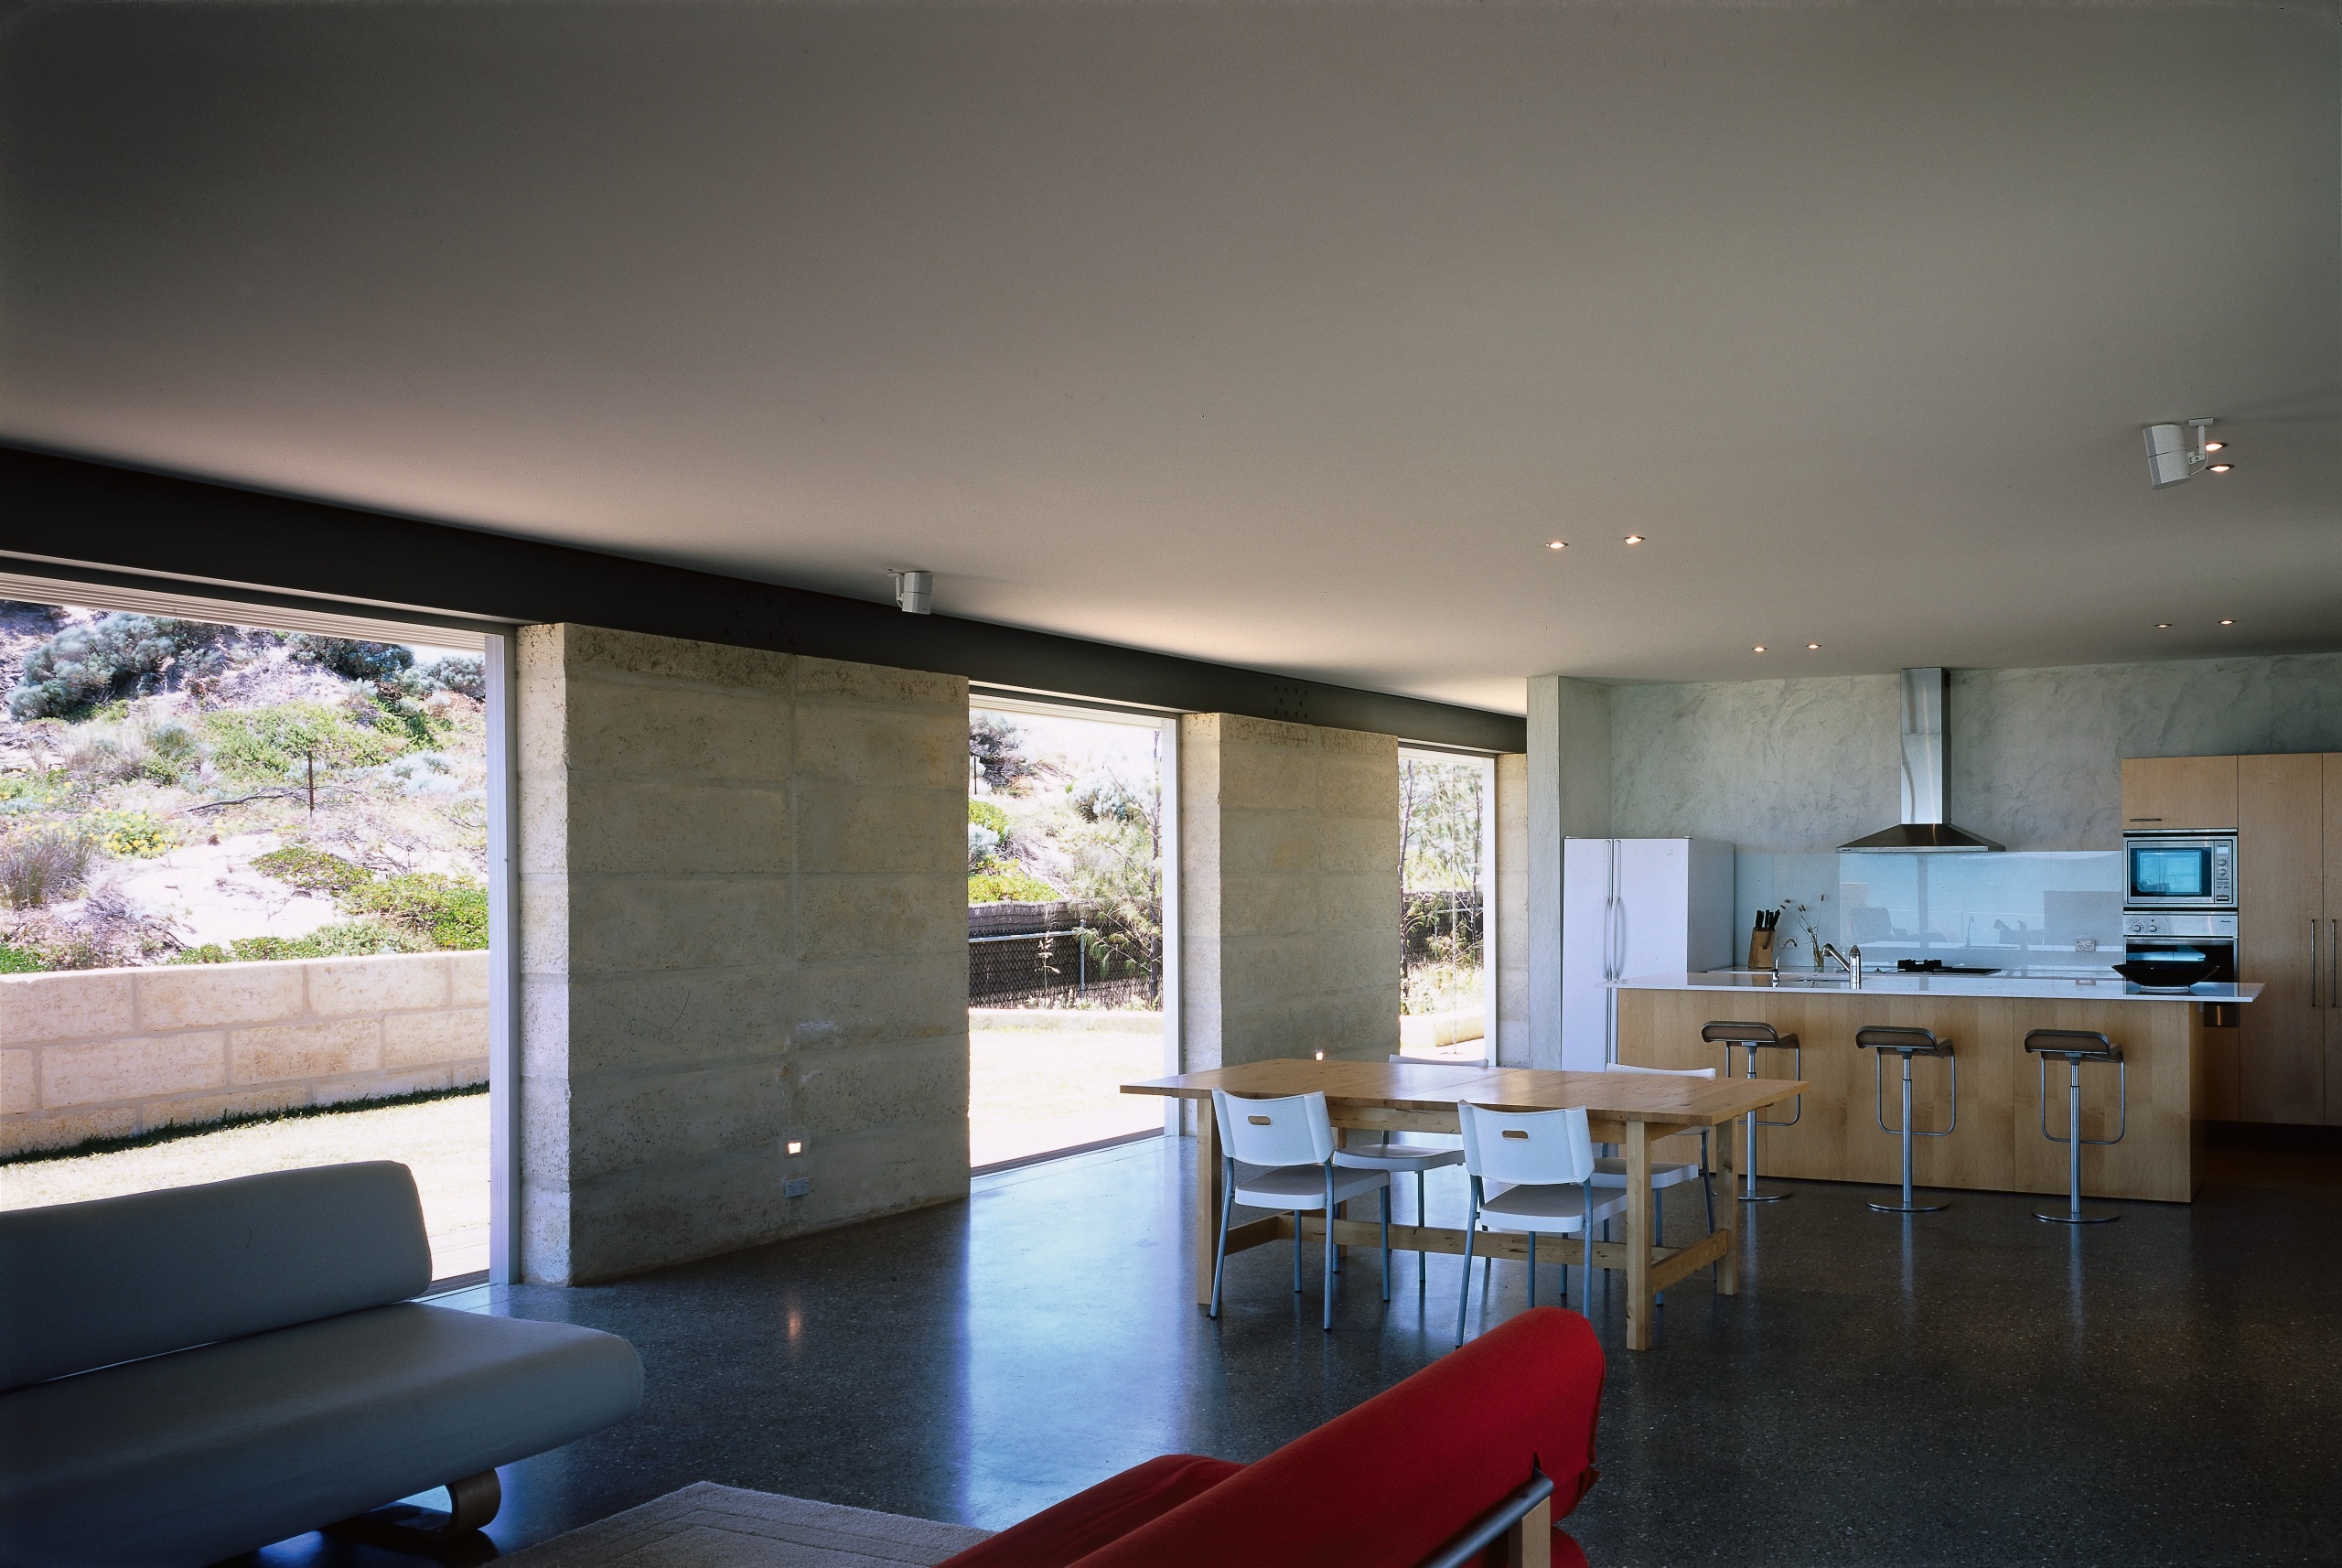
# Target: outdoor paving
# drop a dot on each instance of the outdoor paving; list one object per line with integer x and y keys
{"x": 1033, "y": 1090}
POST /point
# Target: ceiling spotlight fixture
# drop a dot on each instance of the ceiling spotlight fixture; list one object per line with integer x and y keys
{"x": 2162, "y": 625}
{"x": 914, "y": 591}
{"x": 1634, "y": 539}
{"x": 1759, "y": 648}
{"x": 1559, "y": 544}
{"x": 1813, "y": 648}
{"x": 2228, "y": 623}
{"x": 2173, "y": 459}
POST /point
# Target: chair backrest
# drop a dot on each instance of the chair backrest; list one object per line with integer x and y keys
{"x": 1664, "y": 1071}
{"x": 1527, "y": 1148}
{"x": 88, "y": 1284}
{"x": 1291, "y": 1131}
{"x": 1386, "y": 1483}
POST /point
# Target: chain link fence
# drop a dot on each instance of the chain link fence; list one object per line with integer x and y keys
{"x": 1045, "y": 955}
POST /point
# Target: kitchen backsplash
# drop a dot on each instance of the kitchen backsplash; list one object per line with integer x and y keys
{"x": 2037, "y": 909}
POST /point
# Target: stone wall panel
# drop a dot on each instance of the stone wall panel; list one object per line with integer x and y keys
{"x": 706, "y": 970}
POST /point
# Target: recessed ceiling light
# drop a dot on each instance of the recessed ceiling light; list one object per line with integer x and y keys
{"x": 1813, "y": 648}
{"x": 2222, "y": 467}
{"x": 2214, "y": 446}
{"x": 1634, "y": 539}
{"x": 2162, "y": 625}
{"x": 1559, "y": 544}
{"x": 1759, "y": 648}
{"x": 2228, "y": 623}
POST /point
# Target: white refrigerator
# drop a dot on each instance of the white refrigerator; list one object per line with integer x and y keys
{"x": 1631, "y": 908}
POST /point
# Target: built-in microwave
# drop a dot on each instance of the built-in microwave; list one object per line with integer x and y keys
{"x": 2179, "y": 871}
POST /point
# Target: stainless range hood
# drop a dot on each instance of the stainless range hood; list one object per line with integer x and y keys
{"x": 1922, "y": 828}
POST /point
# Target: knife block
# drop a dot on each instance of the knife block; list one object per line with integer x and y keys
{"x": 1760, "y": 949}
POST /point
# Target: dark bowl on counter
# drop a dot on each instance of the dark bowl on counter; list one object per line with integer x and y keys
{"x": 2165, "y": 975}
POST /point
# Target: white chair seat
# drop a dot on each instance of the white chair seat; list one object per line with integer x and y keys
{"x": 1289, "y": 1187}
{"x": 1537, "y": 1208}
{"x": 1612, "y": 1172}
{"x": 1398, "y": 1157}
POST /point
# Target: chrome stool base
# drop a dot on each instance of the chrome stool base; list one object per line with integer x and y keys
{"x": 1910, "y": 1208}
{"x": 2075, "y": 1046}
{"x": 1764, "y": 1197}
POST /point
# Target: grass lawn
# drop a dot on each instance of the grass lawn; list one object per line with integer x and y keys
{"x": 443, "y": 1142}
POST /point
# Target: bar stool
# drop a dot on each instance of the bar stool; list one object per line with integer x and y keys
{"x": 1907, "y": 1043}
{"x": 1752, "y": 1038}
{"x": 2077, "y": 1047}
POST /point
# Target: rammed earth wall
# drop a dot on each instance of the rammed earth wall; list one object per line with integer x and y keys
{"x": 103, "y": 1053}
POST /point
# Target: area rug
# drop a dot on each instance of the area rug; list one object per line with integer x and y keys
{"x": 708, "y": 1526}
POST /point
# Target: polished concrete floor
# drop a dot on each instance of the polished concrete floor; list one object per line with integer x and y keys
{"x": 1955, "y": 1388}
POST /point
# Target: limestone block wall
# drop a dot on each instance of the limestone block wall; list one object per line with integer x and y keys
{"x": 103, "y": 1053}
{"x": 743, "y": 923}
{"x": 1289, "y": 890}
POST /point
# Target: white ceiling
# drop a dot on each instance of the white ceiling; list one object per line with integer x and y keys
{"x": 1285, "y": 335}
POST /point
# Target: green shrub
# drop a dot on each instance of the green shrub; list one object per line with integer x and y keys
{"x": 351, "y": 659}
{"x": 17, "y": 960}
{"x": 984, "y": 814}
{"x": 1001, "y": 882}
{"x": 37, "y": 866}
{"x": 130, "y": 835}
{"x": 117, "y": 657}
{"x": 463, "y": 673}
{"x": 278, "y": 744}
{"x": 312, "y": 870}
{"x": 345, "y": 938}
{"x": 450, "y": 912}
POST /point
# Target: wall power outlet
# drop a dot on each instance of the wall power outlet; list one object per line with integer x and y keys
{"x": 797, "y": 1187}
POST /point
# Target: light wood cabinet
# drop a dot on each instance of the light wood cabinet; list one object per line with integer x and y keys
{"x": 2281, "y": 914}
{"x": 2180, "y": 793}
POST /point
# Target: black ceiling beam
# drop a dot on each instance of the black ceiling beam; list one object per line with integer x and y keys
{"x": 66, "y": 509}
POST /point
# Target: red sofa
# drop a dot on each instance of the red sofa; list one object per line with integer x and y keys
{"x": 1384, "y": 1485}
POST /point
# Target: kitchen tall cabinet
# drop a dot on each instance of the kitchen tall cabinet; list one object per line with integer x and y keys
{"x": 2281, "y": 912}
{"x": 2287, "y": 813}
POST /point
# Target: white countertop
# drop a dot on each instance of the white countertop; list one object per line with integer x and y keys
{"x": 2043, "y": 988}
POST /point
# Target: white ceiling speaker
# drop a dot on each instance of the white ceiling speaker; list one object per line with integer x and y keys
{"x": 2173, "y": 458}
{"x": 914, "y": 591}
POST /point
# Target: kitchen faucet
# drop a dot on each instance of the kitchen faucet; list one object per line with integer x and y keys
{"x": 1854, "y": 965}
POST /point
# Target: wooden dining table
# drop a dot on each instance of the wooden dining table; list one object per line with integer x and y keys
{"x": 1637, "y": 1110}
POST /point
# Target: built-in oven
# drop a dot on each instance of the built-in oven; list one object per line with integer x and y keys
{"x": 2211, "y": 938}
{"x": 2186, "y": 873}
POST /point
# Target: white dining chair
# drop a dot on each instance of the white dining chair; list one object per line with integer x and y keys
{"x": 1611, "y": 1170}
{"x": 1279, "y": 1155}
{"x": 1400, "y": 1159}
{"x": 1544, "y": 1162}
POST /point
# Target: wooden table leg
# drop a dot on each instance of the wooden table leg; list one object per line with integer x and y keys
{"x": 1727, "y": 1211}
{"x": 1640, "y": 1310}
{"x": 1207, "y": 1196}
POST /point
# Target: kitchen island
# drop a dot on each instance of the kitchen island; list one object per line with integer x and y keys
{"x": 1997, "y": 1144}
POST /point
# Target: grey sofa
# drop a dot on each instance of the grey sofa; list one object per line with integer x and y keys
{"x": 187, "y": 1375}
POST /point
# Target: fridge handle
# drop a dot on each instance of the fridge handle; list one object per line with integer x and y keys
{"x": 2313, "y": 961}
{"x": 2333, "y": 939}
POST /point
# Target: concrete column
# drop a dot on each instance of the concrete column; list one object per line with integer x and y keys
{"x": 1289, "y": 883}
{"x": 1510, "y": 1033}
{"x": 1568, "y": 797}
{"x": 743, "y": 923}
